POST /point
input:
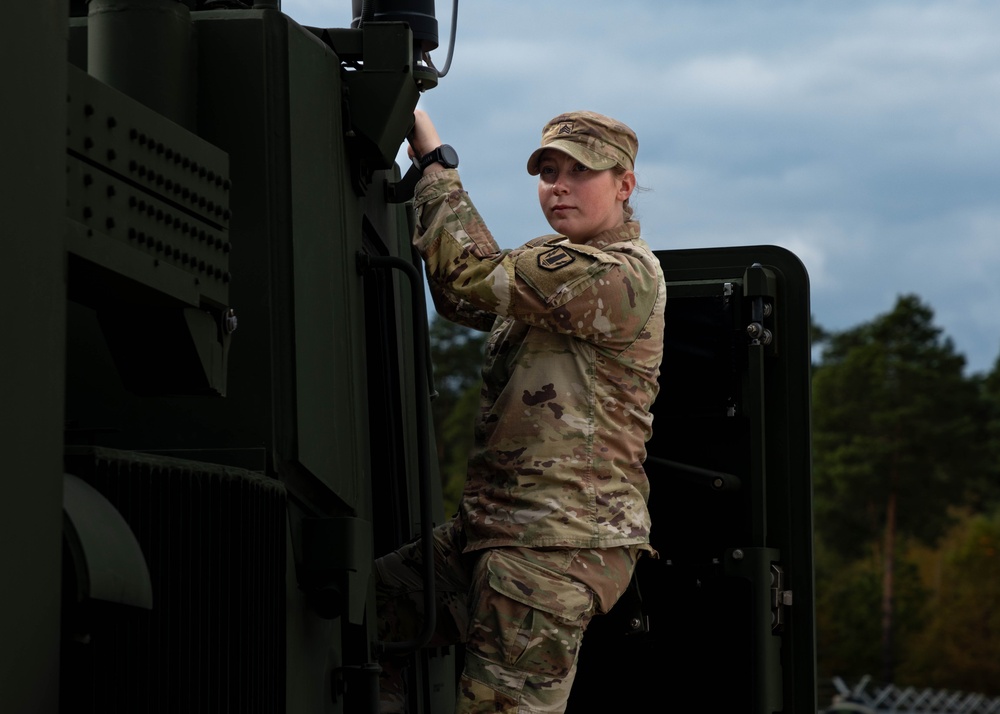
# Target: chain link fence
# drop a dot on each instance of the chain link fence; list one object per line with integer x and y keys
{"x": 868, "y": 698}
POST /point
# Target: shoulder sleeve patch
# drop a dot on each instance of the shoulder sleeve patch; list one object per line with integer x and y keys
{"x": 555, "y": 258}
{"x": 558, "y": 273}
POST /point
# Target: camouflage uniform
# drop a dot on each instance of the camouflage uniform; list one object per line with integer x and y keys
{"x": 554, "y": 508}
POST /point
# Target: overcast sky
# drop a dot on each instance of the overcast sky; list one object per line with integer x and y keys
{"x": 864, "y": 136}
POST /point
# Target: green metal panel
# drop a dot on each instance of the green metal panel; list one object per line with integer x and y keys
{"x": 145, "y": 49}
{"x": 32, "y": 292}
{"x": 329, "y": 309}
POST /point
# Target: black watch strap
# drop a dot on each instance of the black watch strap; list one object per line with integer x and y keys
{"x": 444, "y": 155}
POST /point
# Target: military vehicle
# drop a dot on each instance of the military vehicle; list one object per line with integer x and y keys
{"x": 215, "y": 388}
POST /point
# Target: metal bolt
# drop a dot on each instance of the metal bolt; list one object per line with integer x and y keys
{"x": 756, "y": 331}
{"x": 737, "y": 554}
{"x": 635, "y": 623}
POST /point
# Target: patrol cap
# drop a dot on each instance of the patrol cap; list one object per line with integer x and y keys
{"x": 596, "y": 141}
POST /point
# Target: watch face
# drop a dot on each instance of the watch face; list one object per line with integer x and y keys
{"x": 444, "y": 155}
{"x": 448, "y": 156}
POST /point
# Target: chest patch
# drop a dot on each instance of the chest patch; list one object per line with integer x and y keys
{"x": 555, "y": 259}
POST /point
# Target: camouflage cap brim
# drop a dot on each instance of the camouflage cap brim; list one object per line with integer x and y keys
{"x": 590, "y": 159}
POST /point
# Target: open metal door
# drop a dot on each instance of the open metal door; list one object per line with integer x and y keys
{"x": 722, "y": 621}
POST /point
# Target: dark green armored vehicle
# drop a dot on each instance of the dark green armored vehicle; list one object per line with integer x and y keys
{"x": 215, "y": 390}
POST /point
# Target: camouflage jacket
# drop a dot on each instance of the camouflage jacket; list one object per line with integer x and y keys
{"x": 569, "y": 376}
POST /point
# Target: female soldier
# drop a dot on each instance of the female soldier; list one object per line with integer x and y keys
{"x": 554, "y": 511}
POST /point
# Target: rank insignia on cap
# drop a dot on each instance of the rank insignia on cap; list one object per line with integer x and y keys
{"x": 555, "y": 259}
{"x": 565, "y": 129}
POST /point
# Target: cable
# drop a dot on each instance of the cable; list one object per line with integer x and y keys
{"x": 451, "y": 40}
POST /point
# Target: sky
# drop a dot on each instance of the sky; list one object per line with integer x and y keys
{"x": 863, "y": 136}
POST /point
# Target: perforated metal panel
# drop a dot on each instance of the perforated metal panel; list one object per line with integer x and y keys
{"x": 214, "y": 541}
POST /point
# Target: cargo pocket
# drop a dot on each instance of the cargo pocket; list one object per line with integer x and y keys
{"x": 527, "y": 616}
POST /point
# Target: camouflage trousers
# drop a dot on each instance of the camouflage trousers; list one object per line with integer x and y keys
{"x": 521, "y": 613}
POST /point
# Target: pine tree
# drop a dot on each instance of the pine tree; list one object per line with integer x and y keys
{"x": 894, "y": 428}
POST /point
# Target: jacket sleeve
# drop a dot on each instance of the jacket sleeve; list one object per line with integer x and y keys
{"x": 598, "y": 295}
{"x": 459, "y": 311}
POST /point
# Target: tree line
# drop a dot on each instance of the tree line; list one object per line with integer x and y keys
{"x": 906, "y": 483}
{"x": 906, "y": 476}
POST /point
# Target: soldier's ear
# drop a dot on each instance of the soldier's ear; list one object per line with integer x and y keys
{"x": 626, "y": 185}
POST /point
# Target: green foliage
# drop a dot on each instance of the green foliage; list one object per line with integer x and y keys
{"x": 960, "y": 646}
{"x": 457, "y": 355}
{"x": 849, "y": 613}
{"x": 990, "y": 389}
{"x": 456, "y": 439}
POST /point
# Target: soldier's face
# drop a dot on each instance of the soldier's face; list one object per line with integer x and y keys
{"x": 579, "y": 202}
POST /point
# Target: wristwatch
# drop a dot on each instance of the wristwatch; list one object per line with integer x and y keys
{"x": 444, "y": 155}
